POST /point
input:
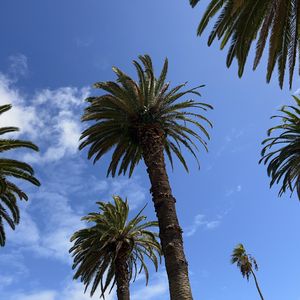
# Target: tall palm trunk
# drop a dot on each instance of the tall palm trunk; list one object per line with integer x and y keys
{"x": 122, "y": 278}
{"x": 170, "y": 233}
{"x": 257, "y": 286}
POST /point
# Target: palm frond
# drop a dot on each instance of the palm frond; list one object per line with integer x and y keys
{"x": 10, "y": 168}
{"x": 281, "y": 153}
{"x": 245, "y": 22}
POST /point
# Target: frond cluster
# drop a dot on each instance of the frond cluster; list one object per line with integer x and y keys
{"x": 96, "y": 248}
{"x": 241, "y": 23}
{"x": 282, "y": 152}
{"x": 128, "y": 108}
{"x": 9, "y": 192}
{"x": 245, "y": 262}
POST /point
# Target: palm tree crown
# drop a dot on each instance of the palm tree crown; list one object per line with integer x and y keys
{"x": 245, "y": 262}
{"x": 97, "y": 249}
{"x": 129, "y": 108}
{"x": 241, "y": 22}
{"x": 10, "y": 192}
{"x": 284, "y": 160}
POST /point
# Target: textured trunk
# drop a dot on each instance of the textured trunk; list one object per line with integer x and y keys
{"x": 169, "y": 230}
{"x": 122, "y": 278}
{"x": 257, "y": 286}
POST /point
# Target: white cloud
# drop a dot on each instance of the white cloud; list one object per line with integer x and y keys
{"x": 73, "y": 291}
{"x": 20, "y": 115}
{"x": 158, "y": 289}
{"x": 26, "y": 233}
{"x": 201, "y": 222}
{"x": 59, "y": 111}
{"x": 18, "y": 65}
{"x": 129, "y": 188}
{"x": 59, "y": 222}
{"x": 43, "y": 295}
{"x": 59, "y": 217}
{"x": 49, "y": 115}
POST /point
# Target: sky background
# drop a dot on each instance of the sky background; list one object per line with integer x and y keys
{"x": 50, "y": 55}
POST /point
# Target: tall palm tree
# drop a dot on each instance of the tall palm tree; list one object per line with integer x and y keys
{"x": 141, "y": 120}
{"x": 246, "y": 263}
{"x": 282, "y": 152}
{"x": 9, "y": 191}
{"x": 110, "y": 251}
{"x": 244, "y": 22}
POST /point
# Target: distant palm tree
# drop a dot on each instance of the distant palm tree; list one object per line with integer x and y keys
{"x": 284, "y": 160}
{"x": 141, "y": 120}
{"x": 246, "y": 263}
{"x": 112, "y": 250}
{"x": 243, "y": 22}
{"x": 9, "y": 192}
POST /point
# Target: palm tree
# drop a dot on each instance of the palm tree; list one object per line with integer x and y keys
{"x": 141, "y": 120}
{"x": 241, "y": 22}
{"x": 246, "y": 263}
{"x": 110, "y": 251}
{"x": 284, "y": 160}
{"x": 9, "y": 191}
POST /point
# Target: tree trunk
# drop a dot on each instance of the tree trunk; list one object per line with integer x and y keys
{"x": 170, "y": 233}
{"x": 122, "y": 278}
{"x": 257, "y": 286}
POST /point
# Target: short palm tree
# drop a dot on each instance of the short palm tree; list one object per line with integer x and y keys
{"x": 142, "y": 120}
{"x": 244, "y": 22}
{"x": 246, "y": 263}
{"x": 112, "y": 250}
{"x": 9, "y": 191}
{"x": 282, "y": 152}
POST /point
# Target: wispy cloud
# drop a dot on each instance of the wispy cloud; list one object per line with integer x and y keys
{"x": 73, "y": 290}
{"x": 85, "y": 42}
{"x": 234, "y": 190}
{"x": 229, "y": 139}
{"x": 130, "y": 189}
{"x": 60, "y": 214}
{"x": 156, "y": 290}
{"x": 200, "y": 221}
{"x": 5, "y": 280}
{"x": 18, "y": 65}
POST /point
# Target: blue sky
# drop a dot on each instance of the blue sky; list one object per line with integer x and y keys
{"x": 51, "y": 53}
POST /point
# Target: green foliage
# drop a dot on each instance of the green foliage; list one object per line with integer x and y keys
{"x": 96, "y": 248}
{"x": 245, "y": 262}
{"x": 284, "y": 159}
{"x": 130, "y": 107}
{"x": 9, "y": 192}
{"x": 244, "y": 22}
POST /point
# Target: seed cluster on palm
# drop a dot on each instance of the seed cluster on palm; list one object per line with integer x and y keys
{"x": 242, "y": 23}
{"x": 11, "y": 168}
{"x": 281, "y": 153}
{"x": 146, "y": 119}
{"x": 113, "y": 250}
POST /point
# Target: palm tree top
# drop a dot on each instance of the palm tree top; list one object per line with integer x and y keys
{"x": 11, "y": 168}
{"x": 282, "y": 152}
{"x": 242, "y": 23}
{"x": 96, "y": 248}
{"x": 245, "y": 262}
{"x": 130, "y": 108}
